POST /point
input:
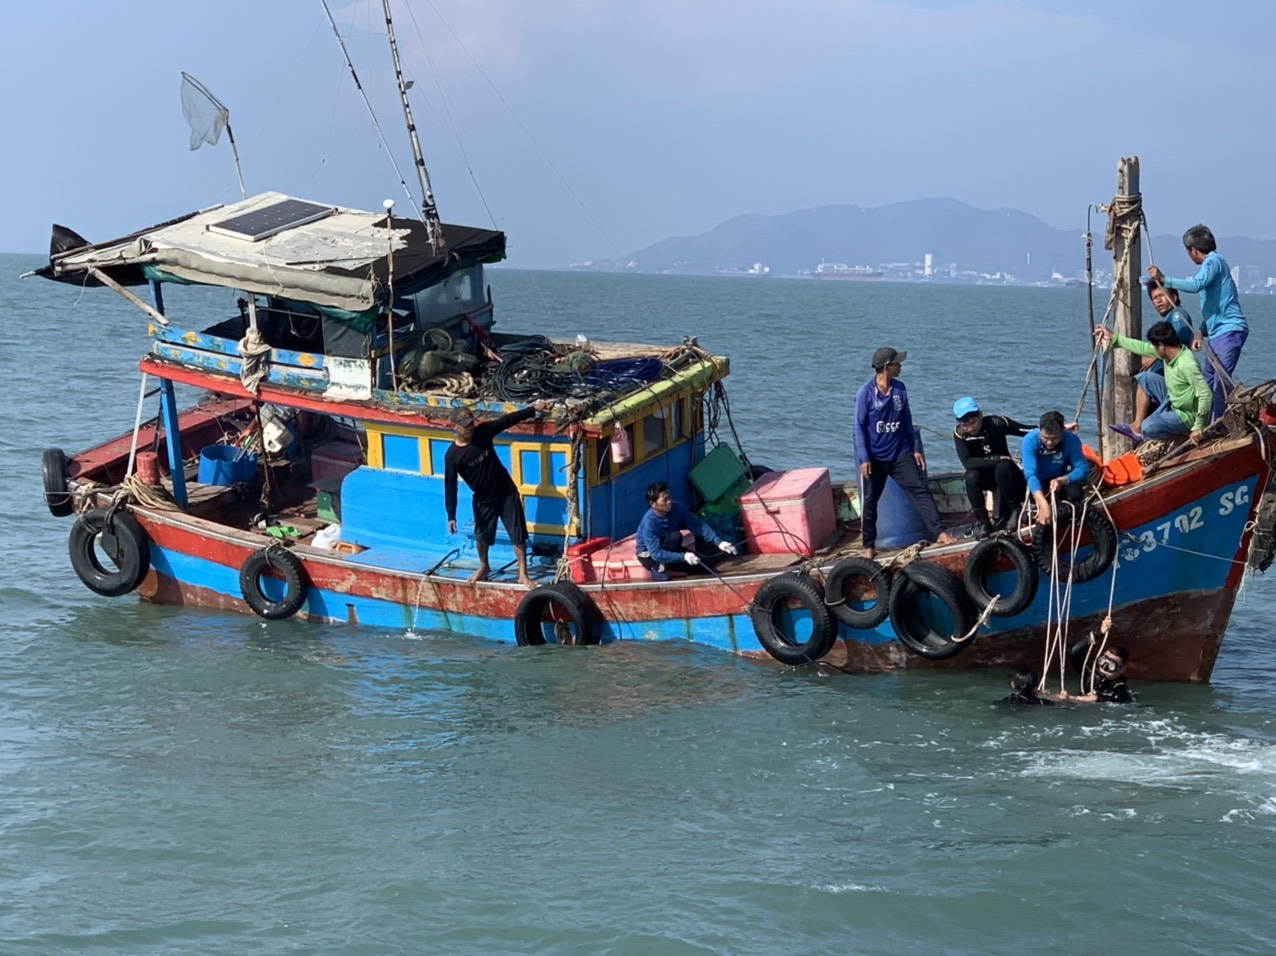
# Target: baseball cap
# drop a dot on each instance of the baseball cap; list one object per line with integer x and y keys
{"x": 964, "y": 406}
{"x": 884, "y": 357}
{"x": 466, "y": 417}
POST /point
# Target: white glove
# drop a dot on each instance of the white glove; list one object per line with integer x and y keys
{"x": 728, "y": 548}
{"x": 691, "y": 558}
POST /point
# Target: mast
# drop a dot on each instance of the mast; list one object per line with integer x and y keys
{"x": 1124, "y": 216}
{"x": 429, "y": 211}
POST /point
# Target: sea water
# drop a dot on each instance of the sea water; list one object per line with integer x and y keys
{"x": 188, "y": 781}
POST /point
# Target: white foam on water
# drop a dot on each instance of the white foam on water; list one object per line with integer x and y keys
{"x": 1160, "y": 753}
{"x": 850, "y": 888}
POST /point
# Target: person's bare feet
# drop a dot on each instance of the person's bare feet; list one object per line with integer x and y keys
{"x": 481, "y": 574}
{"x": 945, "y": 538}
{"x": 527, "y": 582}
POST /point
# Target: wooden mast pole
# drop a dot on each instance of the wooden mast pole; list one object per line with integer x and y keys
{"x": 1125, "y": 215}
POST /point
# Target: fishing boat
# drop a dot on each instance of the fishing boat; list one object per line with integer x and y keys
{"x": 307, "y": 480}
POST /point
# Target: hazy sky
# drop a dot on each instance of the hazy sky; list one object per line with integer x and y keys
{"x": 593, "y": 128}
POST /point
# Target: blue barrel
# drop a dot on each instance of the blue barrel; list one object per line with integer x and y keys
{"x": 898, "y": 523}
{"x": 226, "y": 465}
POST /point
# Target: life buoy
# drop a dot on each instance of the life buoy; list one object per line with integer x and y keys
{"x": 115, "y": 535}
{"x": 778, "y": 612}
{"x": 561, "y": 611}
{"x": 287, "y": 566}
{"x": 842, "y": 586}
{"x": 1102, "y": 549}
{"x": 984, "y": 558}
{"x": 930, "y": 612}
{"x": 57, "y": 494}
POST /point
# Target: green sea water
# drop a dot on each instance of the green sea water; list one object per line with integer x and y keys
{"x": 187, "y": 781}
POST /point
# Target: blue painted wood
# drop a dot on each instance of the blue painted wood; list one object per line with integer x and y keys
{"x": 312, "y": 380}
{"x": 202, "y": 341}
{"x": 172, "y": 429}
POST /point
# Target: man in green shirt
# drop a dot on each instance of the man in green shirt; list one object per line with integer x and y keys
{"x": 1185, "y": 407}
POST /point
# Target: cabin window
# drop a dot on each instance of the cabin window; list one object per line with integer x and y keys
{"x": 456, "y": 295}
{"x": 602, "y": 458}
{"x": 677, "y": 422}
{"x": 653, "y": 433}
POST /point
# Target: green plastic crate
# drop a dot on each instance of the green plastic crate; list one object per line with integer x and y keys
{"x": 717, "y": 473}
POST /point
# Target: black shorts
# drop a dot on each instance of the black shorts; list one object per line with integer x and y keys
{"x": 510, "y": 511}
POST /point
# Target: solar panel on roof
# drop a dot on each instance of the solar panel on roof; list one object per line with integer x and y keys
{"x": 269, "y": 220}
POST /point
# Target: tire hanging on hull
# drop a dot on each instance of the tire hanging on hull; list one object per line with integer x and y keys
{"x": 922, "y": 595}
{"x": 774, "y": 622}
{"x": 57, "y": 494}
{"x": 560, "y": 610}
{"x": 847, "y": 572}
{"x": 115, "y": 535}
{"x": 1027, "y": 575}
{"x": 288, "y": 567}
{"x": 1102, "y": 551}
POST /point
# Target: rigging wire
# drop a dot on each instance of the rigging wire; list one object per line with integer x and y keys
{"x": 371, "y": 112}
{"x": 523, "y": 126}
{"x": 452, "y": 125}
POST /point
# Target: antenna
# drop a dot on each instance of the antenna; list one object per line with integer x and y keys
{"x": 429, "y": 210}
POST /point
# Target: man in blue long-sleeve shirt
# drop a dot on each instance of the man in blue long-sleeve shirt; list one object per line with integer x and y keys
{"x": 885, "y": 447}
{"x": 1223, "y": 324}
{"x": 1053, "y": 463}
{"x": 659, "y": 537}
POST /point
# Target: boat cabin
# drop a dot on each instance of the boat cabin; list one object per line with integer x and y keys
{"x": 355, "y": 346}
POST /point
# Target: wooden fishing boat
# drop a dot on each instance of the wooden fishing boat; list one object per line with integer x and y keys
{"x": 329, "y": 397}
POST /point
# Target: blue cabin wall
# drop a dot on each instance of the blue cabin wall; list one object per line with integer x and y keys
{"x": 614, "y": 507}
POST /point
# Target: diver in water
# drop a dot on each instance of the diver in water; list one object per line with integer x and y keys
{"x": 1023, "y": 692}
{"x": 1110, "y": 686}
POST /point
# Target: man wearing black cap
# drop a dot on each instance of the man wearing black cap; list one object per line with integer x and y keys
{"x": 981, "y": 446}
{"x": 886, "y": 447}
{"x": 472, "y": 456}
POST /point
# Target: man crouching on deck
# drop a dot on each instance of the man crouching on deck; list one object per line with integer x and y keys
{"x": 659, "y": 536}
{"x": 473, "y": 457}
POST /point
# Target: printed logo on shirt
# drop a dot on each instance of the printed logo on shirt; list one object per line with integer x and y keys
{"x": 887, "y": 427}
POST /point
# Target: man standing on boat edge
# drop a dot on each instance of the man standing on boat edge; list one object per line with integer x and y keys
{"x": 472, "y": 456}
{"x": 886, "y": 447}
{"x": 1223, "y": 327}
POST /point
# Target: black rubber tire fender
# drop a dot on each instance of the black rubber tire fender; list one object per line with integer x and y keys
{"x": 57, "y": 493}
{"x": 911, "y": 627}
{"x": 1027, "y": 575}
{"x": 288, "y": 566}
{"x": 1100, "y": 558}
{"x": 123, "y": 542}
{"x": 852, "y": 569}
{"x": 572, "y": 613}
{"x": 773, "y": 598}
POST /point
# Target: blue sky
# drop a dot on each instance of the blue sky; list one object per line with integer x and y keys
{"x": 594, "y": 128}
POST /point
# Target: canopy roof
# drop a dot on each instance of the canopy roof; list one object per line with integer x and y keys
{"x": 341, "y": 260}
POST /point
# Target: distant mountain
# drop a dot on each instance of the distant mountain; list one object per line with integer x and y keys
{"x": 954, "y": 233}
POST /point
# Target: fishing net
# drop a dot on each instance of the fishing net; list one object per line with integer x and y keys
{"x": 204, "y": 113}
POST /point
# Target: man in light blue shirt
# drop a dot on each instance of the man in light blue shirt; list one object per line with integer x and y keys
{"x": 1223, "y": 326}
{"x": 1053, "y": 464}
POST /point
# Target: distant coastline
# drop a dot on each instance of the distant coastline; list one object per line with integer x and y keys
{"x": 942, "y": 241}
